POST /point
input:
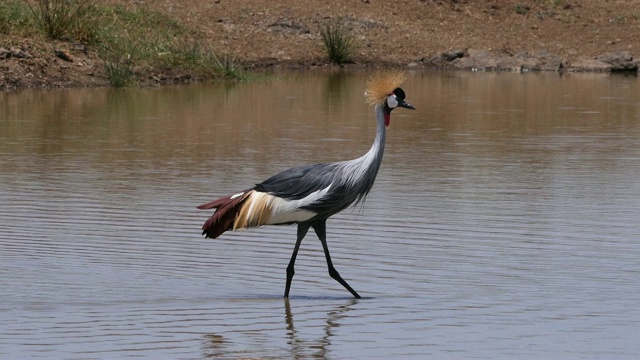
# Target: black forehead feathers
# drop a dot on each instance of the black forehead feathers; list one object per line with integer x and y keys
{"x": 399, "y": 93}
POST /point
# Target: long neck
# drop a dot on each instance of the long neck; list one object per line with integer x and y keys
{"x": 377, "y": 149}
{"x": 362, "y": 171}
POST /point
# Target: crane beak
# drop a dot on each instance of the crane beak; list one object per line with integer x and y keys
{"x": 405, "y": 105}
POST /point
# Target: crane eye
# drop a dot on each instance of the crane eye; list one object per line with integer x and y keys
{"x": 392, "y": 101}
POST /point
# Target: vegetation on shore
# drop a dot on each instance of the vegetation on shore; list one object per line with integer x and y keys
{"x": 129, "y": 40}
{"x": 124, "y": 38}
{"x": 338, "y": 43}
{"x": 65, "y": 43}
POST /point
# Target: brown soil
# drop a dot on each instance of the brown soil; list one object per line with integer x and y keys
{"x": 278, "y": 33}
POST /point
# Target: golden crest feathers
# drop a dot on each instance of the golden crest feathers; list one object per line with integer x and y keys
{"x": 382, "y": 83}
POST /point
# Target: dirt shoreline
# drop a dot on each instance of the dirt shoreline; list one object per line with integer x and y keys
{"x": 540, "y": 35}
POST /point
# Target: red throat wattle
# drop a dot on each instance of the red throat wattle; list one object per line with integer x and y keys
{"x": 387, "y": 118}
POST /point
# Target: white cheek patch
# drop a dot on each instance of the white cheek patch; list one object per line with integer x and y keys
{"x": 392, "y": 101}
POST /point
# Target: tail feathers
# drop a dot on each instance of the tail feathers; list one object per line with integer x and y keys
{"x": 227, "y": 209}
{"x": 219, "y": 202}
{"x": 214, "y": 204}
{"x": 249, "y": 208}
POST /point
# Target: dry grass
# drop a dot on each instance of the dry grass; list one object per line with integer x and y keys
{"x": 124, "y": 38}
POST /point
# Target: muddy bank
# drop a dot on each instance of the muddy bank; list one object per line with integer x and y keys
{"x": 562, "y": 35}
{"x": 474, "y": 59}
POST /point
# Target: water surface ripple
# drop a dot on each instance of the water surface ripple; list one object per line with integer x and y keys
{"x": 503, "y": 223}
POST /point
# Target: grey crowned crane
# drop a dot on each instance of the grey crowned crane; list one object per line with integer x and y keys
{"x": 309, "y": 195}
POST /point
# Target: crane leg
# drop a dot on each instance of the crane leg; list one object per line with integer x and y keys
{"x": 321, "y": 230}
{"x": 302, "y": 231}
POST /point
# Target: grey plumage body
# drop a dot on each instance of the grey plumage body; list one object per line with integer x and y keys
{"x": 309, "y": 195}
{"x": 347, "y": 182}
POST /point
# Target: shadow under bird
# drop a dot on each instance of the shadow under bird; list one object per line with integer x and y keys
{"x": 309, "y": 195}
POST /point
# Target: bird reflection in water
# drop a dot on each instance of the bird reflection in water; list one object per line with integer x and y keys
{"x": 298, "y": 345}
{"x": 222, "y": 346}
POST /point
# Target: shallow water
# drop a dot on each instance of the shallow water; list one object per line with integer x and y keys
{"x": 503, "y": 223}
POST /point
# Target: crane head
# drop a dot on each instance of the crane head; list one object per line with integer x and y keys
{"x": 383, "y": 90}
{"x": 396, "y": 99}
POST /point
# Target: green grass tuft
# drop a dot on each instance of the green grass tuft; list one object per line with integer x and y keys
{"x": 228, "y": 68}
{"x": 125, "y": 38}
{"x": 118, "y": 60}
{"x": 58, "y": 18}
{"x": 338, "y": 43}
{"x": 14, "y": 16}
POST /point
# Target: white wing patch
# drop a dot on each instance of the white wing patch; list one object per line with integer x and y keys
{"x": 236, "y": 195}
{"x": 284, "y": 211}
